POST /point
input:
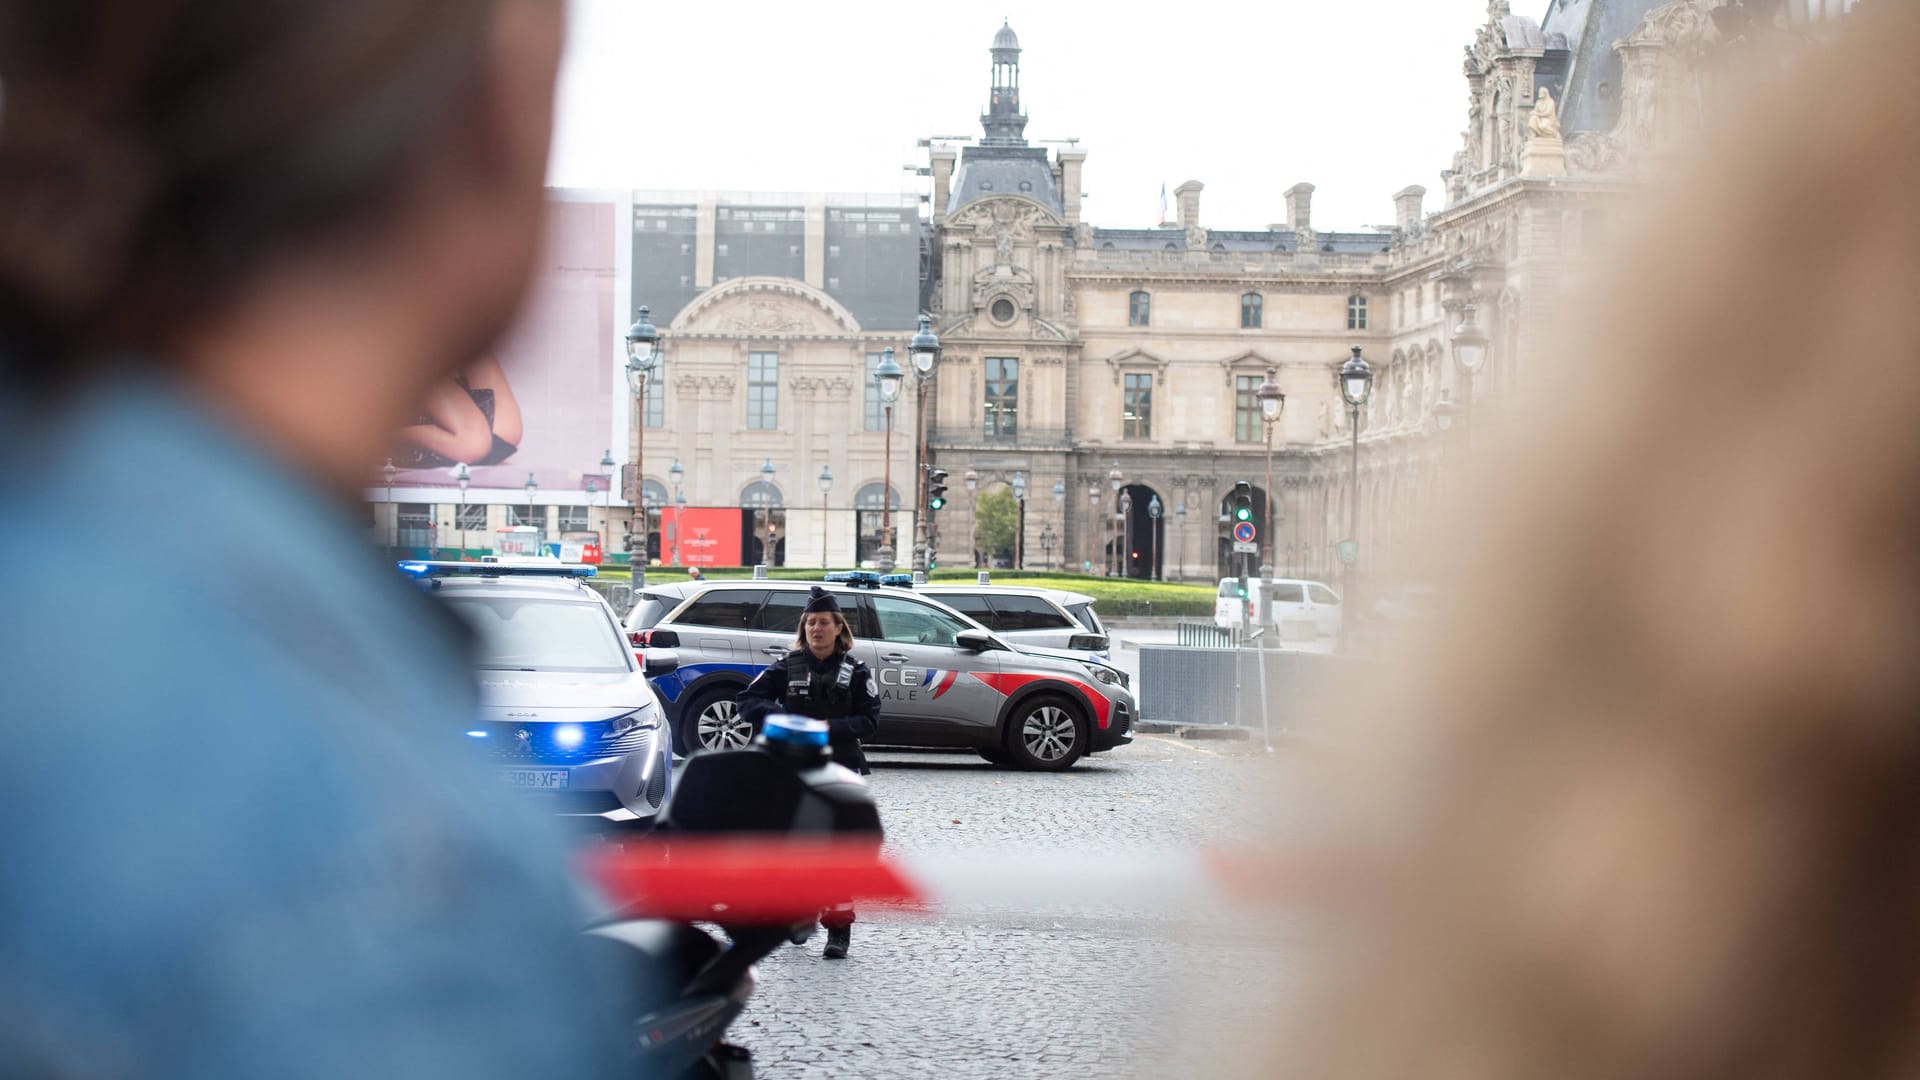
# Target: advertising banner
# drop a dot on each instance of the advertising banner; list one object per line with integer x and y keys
{"x": 542, "y": 405}
{"x": 701, "y": 536}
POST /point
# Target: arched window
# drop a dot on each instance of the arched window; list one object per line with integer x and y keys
{"x": 867, "y": 504}
{"x": 1250, "y": 305}
{"x": 760, "y": 493}
{"x": 1356, "y": 312}
{"x": 1139, "y": 309}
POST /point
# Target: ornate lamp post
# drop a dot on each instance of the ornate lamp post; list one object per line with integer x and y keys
{"x": 1180, "y": 526}
{"x": 1469, "y": 355}
{"x": 1153, "y": 538}
{"x": 645, "y": 352}
{"x": 1272, "y": 403}
{"x": 825, "y": 480}
{"x": 923, "y": 352}
{"x": 972, "y": 481}
{"x": 1060, "y": 511}
{"x": 889, "y": 375}
{"x": 766, "y": 510}
{"x": 462, "y": 477}
{"x": 1020, "y": 521}
{"x": 1123, "y": 525}
{"x": 1115, "y": 480}
{"x": 393, "y": 518}
{"x": 606, "y": 514}
{"x": 673, "y": 535}
{"x": 539, "y": 531}
{"x": 1047, "y": 540}
{"x": 1094, "y": 528}
{"x": 1356, "y": 385}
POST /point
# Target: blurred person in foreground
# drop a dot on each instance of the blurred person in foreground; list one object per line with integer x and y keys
{"x": 239, "y": 243}
{"x": 1654, "y": 810}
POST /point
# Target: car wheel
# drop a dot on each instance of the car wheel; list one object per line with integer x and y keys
{"x": 713, "y": 722}
{"x": 1045, "y": 734}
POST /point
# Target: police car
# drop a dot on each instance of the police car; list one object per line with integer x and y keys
{"x": 944, "y": 680}
{"x": 566, "y": 713}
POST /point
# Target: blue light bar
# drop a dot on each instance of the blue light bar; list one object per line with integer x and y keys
{"x": 898, "y": 581}
{"x": 422, "y": 569}
{"x": 859, "y": 579}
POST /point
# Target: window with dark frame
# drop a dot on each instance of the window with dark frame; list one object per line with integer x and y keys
{"x": 1250, "y": 304}
{"x": 1137, "y": 414}
{"x": 763, "y": 391}
{"x": 1246, "y": 408}
{"x": 876, "y": 412}
{"x": 1139, "y": 309}
{"x": 1356, "y": 312}
{"x": 1002, "y": 404}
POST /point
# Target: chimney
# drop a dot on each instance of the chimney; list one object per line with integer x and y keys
{"x": 1300, "y": 207}
{"x": 942, "y": 179}
{"x": 1189, "y": 196}
{"x": 1406, "y": 208}
{"x": 1070, "y": 162}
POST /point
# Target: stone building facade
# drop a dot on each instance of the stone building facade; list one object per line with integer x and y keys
{"x": 1076, "y": 353}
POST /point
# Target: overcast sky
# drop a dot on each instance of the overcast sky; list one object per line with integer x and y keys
{"x": 1359, "y": 97}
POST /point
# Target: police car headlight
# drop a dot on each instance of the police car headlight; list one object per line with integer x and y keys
{"x": 638, "y": 718}
{"x": 1104, "y": 674}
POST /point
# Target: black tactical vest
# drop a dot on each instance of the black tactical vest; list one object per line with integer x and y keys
{"x": 821, "y": 695}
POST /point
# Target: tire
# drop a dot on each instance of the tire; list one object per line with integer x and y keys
{"x": 1046, "y": 734}
{"x": 712, "y": 721}
{"x": 996, "y": 754}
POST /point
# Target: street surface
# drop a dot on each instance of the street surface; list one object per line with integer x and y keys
{"x": 1090, "y": 988}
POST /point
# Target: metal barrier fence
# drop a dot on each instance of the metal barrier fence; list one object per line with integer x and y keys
{"x": 1205, "y": 635}
{"x": 1276, "y": 690}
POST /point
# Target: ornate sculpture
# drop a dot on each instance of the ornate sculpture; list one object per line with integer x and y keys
{"x": 1545, "y": 121}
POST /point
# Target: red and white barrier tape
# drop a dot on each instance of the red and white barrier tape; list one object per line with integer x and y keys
{"x": 778, "y": 881}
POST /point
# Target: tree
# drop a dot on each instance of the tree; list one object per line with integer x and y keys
{"x": 996, "y": 517}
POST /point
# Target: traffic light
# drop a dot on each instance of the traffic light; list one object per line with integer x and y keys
{"x": 936, "y": 488}
{"x": 1241, "y": 506}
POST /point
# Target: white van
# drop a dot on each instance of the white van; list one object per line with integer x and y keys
{"x": 1293, "y": 599}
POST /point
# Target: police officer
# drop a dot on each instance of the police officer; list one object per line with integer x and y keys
{"x": 820, "y": 678}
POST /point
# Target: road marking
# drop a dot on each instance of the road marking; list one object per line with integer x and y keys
{"x": 1182, "y": 743}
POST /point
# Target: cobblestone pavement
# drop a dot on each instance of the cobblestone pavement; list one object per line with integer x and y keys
{"x": 1091, "y": 988}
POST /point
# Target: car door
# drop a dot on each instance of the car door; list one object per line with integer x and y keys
{"x": 778, "y": 624}
{"x": 1325, "y": 607}
{"x": 1289, "y": 602}
{"x": 928, "y": 692}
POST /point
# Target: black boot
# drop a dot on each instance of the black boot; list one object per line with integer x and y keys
{"x": 839, "y": 940}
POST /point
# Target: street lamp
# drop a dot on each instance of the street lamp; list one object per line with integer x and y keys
{"x": 1123, "y": 522}
{"x": 1115, "y": 480}
{"x": 972, "y": 481}
{"x": 462, "y": 477}
{"x": 1020, "y": 521}
{"x": 766, "y": 503}
{"x": 673, "y": 535}
{"x": 1272, "y": 403}
{"x": 606, "y": 515}
{"x": 393, "y": 519}
{"x": 825, "y": 480}
{"x": 889, "y": 375}
{"x": 1047, "y": 540}
{"x": 1153, "y": 538}
{"x": 539, "y": 532}
{"x": 1469, "y": 355}
{"x": 1356, "y": 385}
{"x": 923, "y": 352}
{"x": 1093, "y": 523}
{"x": 1180, "y": 526}
{"x": 645, "y": 353}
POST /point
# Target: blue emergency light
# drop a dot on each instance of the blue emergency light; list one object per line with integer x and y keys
{"x": 422, "y": 569}
{"x": 794, "y": 730}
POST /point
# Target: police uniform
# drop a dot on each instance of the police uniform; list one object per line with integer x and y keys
{"x": 840, "y": 690}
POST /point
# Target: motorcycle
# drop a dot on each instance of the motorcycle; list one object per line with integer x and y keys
{"x": 691, "y": 984}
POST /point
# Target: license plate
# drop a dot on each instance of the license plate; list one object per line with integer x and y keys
{"x": 538, "y": 779}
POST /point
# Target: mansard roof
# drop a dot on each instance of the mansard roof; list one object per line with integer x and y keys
{"x": 1588, "y": 94}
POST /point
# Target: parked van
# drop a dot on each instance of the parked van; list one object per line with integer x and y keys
{"x": 1293, "y": 599}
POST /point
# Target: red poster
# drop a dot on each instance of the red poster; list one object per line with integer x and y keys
{"x": 701, "y": 536}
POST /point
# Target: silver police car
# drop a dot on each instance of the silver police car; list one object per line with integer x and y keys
{"x": 944, "y": 679}
{"x": 566, "y": 713}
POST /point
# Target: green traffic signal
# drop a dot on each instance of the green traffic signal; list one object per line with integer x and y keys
{"x": 937, "y": 502}
{"x": 1243, "y": 513}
